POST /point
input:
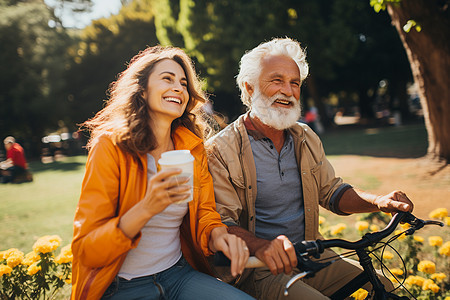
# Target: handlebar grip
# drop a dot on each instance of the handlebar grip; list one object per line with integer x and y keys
{"x": 220, "y": 260}
{"x": 308, "y": 248}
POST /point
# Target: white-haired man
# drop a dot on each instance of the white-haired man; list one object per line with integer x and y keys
{"x": 14, "y": 168}
{"x": 271, "y": 174}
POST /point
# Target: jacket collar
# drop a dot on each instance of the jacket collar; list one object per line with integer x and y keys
{"x": 183, "y": 138}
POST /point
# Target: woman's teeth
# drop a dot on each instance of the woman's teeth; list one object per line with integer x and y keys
{"x": 171, "y": 99}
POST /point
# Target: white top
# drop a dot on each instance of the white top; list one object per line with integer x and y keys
{"x": 160, "y": 246}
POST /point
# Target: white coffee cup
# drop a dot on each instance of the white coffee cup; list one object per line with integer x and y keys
{"x": 183, "y": 160}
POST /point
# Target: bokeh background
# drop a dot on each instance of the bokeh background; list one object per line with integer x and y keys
{"x": 378, "y": 93}
{"x": 372, "y": 62}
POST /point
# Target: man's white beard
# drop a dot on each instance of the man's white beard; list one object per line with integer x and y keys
{"x": 274, "y": 116}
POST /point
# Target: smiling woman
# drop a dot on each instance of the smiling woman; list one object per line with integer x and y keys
{"x": 152, "y": 242}
{"x": 168, "y": 94}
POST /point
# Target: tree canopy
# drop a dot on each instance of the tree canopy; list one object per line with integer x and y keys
{"x": 53, "y": 75}
{"x": 31, "y": 63}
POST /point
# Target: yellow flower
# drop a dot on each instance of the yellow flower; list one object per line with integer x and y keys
{"x": 65, "y": 256}
{"x": 403, "y": 236}
{"x": 435, "y": 241}
{"x": 388, "y": 255}
{"x": 426, "y": 266}
{"x": 47, "y": 244}
{"x": 447, "y": 221}
{"x": 404, "y": 226}
{"x": 322, "y": 220}
{"x": 5, "y": 270}
{"x": 445, "y": 249}
{"x": 31, "y": 258}
{"x": 438, "y": 213}
{"x": 360, "y": 294}
{"x": 374, "y": 227}
{"x": 415, "y": 280}
{"x": 337, "y": 229}
{"x": 68, "y": 280}
{"x": 14, "y": 258}
{"x": 5, "y": 254}
{"x": 418, "y": 239}
{"x": 33, "y": 269}
{"x": 438, "y": 276}
{"x": 396, "y": 271}
{"x": 430, "y": 285}
{"x": 361, "y": 225}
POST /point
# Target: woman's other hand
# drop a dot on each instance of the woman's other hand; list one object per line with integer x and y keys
{"x": 232, "y": 246}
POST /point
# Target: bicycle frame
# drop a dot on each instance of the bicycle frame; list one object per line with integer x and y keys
{"x": 361, "y": 247}
{"x": 315, "y": 248}
{"x": 368, "y": 275}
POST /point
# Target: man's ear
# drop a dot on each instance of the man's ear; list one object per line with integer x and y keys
{"x": 249, "y": 88}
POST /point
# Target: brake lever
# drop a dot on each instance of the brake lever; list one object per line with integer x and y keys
{"x": 311, "y": 268}
{"x": 292, "y": 280}
{"x": 419, "y": 223}
{"x": 433, "y": 222}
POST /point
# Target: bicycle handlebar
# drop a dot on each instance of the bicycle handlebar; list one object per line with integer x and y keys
{"x": 314, "y": 248}
{"x": 318, "y": 246}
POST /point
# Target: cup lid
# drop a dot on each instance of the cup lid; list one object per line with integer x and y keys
{"x": 176, "y": 157}
{"x": 175, "y": 152}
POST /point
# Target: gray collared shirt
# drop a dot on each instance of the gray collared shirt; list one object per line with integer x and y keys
{"x": 279, "y": 201}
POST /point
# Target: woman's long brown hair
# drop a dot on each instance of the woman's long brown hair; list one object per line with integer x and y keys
{"x": 126, "y": 115}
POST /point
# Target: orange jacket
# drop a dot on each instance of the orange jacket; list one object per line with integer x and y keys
{"x": 113, "y": 183}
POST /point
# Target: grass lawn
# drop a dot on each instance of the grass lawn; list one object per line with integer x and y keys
{"x": 45, "y": 206}
{"x": 401, "y": 142}
{"x": 377, "y": 160}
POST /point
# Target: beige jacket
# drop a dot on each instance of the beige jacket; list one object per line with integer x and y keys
{"x": 232, "y": 167}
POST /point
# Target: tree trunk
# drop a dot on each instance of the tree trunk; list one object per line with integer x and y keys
{"x": 429, "y": 55}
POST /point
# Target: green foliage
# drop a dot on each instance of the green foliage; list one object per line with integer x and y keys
{"x": 379, "y": 5}
{"x": 51, "y": 76}
{"x": 31, "y": 66}
{"x": 101, "y": 52}
{"x": 412, "y": 24}
{"x": 217, "y": 34}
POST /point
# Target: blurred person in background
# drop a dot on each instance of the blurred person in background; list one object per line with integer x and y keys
{"x": 15, "y": 168}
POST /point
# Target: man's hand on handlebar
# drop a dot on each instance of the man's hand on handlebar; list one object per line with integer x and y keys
{"x": 393, "y": 202}
{"x": 278, "y": 255}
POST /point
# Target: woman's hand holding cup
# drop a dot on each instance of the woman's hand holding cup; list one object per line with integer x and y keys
{"x": 165, "y": 188}
{"x": 179, "y": 159}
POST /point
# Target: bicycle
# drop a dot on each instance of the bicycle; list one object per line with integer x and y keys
{"x": 305, "y": 249}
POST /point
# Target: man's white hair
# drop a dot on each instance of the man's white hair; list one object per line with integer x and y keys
{"x": 9, "y": 140}
{"x": 250, "y": 65}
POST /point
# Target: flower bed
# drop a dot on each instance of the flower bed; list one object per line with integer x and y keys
{"x": 38, "y": 274}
